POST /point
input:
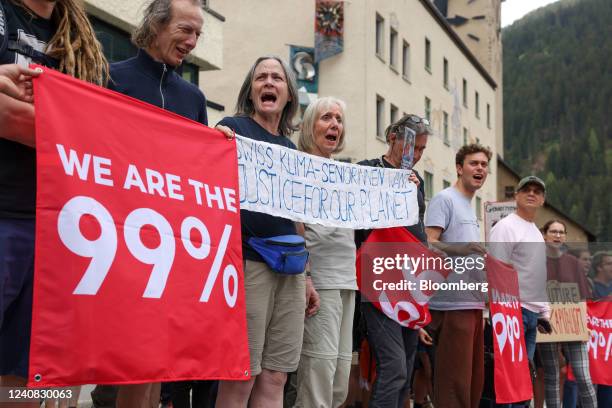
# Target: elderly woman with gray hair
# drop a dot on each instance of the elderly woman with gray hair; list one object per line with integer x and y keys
{"x": 323, "y": 373}
{"x": 275, "y": 293}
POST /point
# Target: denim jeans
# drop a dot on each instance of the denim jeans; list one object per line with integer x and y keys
{"x": 530, "y": 326}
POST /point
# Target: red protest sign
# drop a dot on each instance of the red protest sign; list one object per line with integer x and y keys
{"x": 599, "y": 322}
{"x": 138, "y": 272}
{"x": 512, "y": 379}
{"x": 401, "y": 292}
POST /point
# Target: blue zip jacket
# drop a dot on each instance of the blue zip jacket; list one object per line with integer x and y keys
{"x": 143, "y": 78}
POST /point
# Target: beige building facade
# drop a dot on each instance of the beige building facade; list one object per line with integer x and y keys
{"x": 478, "y": 23}
{"x": 400, "y": 56}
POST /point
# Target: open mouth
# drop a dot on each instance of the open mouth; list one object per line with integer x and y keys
{"x": 182, "y": 51}
{"x": 331, "y": 138}
{"x": 268, "y": 97}
{"x": 478, "y": 177}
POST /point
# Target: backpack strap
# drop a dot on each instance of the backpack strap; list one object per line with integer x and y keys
{"x": 35, "y": 55}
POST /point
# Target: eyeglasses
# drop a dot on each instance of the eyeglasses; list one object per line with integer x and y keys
{"x": 555, "y": 232}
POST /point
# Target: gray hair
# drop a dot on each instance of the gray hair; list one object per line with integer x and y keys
{"x": 156, "y": 16}
{"x": 410, "y": 121}
{"x": 306, "y": 141}
{"x": 244, "y": 104}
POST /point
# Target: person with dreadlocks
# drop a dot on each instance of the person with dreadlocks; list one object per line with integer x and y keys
{"x": 57, "y": 34}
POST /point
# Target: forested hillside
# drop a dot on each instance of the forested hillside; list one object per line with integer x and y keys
{"x": 557, "y": 106}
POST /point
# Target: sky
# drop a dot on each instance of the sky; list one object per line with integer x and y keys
{"x": 515, "y": 9}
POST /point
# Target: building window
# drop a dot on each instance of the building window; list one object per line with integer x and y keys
{"x": 393, "y": 48}
{"x": 406, "y": 61}
{"x": 427, "y": 55}
{"x": 191, "y": 72}
{"x": 478, "y": 208}
{"x": 380, "y": 36}
{"x": 488, "y": 116}
{"x": 445, "y": 184}
{"x": 428, "y": 179}
{"x": 428, "y": 109}
{"x": 394, "y": 111}
{"x": 446, "y": 141}
{"x": 445, "y": 70}
{"x": 465, "y": 136}
{"x": 465, "y": 93}
{"x": 380, "y": 117}
{"x": 117, "y": 46}
{"x": 116, "y": 43}
{"x": 477, "y": 104}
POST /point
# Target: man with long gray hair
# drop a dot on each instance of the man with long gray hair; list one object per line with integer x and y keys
{"x": 169, "y": 31}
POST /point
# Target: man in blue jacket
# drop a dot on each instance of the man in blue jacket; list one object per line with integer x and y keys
{"x": 168, "y": 32}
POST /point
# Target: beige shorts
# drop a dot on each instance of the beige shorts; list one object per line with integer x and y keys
{"x": 275, "y": 306}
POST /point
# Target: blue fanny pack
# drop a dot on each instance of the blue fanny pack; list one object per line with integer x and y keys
{"x": 285, "y": 254}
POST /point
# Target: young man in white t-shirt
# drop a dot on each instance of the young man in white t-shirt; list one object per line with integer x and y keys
{"x": 517, "y": 240}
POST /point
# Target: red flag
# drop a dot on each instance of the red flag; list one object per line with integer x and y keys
{"x": 138, "y": 273}
{"x": 511, "y": 374}
{"x": 397, "y": 292}
{"x": 599, "y": 323}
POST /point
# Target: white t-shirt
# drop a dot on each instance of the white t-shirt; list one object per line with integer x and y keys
{"x": 519, "y": 242}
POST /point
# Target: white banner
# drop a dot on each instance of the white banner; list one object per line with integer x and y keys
{"x": 291, "y": 184}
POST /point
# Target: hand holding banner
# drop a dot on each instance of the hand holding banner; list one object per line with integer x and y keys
{"x": 138, "y": 274}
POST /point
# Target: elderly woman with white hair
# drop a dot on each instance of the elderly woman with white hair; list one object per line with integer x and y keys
{"x": 323, "y": 373}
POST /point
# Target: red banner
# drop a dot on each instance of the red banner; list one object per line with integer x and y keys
{"x": 138, "y": 272}
{"x": 398, "y": 292}
{"x": 512, "y": 379}
{"x": 599, "y": 323}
